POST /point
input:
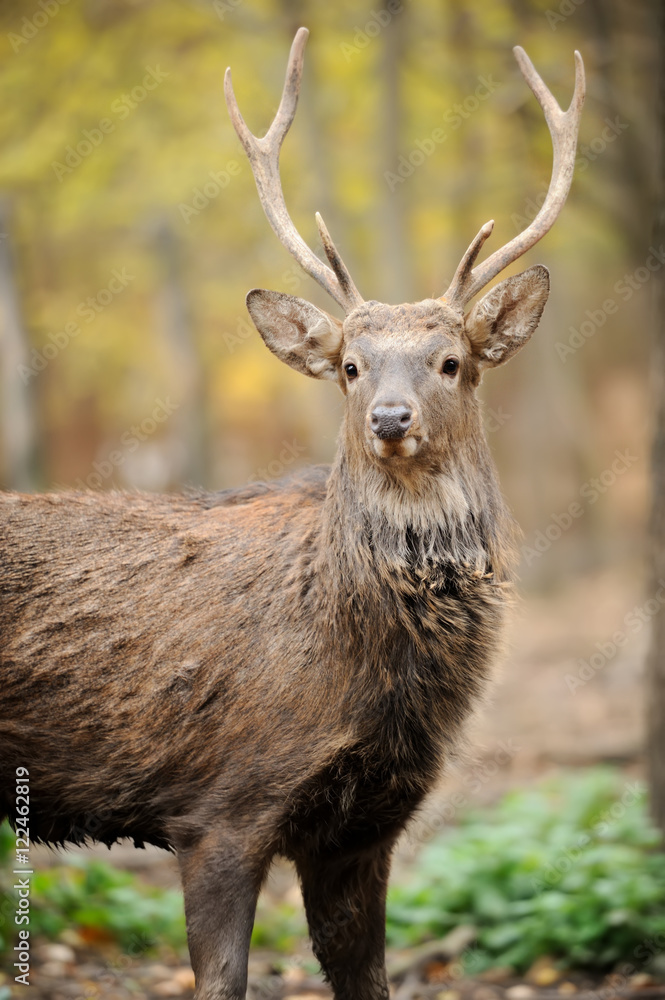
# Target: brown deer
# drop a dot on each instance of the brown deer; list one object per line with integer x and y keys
{"x": 281, "y": 669}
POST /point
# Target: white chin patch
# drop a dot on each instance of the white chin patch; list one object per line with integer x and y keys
{"x": 403, "y": 448}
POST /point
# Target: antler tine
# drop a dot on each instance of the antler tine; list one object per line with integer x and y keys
{"x": 464, "y": 271}
{"x": 343, "y": 277}
{"x": 563, "y": 126}
{"x": 263, "y": 155}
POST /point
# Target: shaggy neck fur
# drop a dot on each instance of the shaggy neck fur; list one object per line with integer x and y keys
{"x": 433, "y": 523}
{"x": 416, "y": 573}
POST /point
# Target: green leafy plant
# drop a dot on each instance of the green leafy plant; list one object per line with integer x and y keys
{"x": 280, "y": 927}
{"x": 103, "y": 903}
{"x": 568, "y": 869}
{"x": 7, "y": 843}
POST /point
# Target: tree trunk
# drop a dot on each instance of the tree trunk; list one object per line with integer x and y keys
{"x": 188, "y": 426}
{"x": 394, "y": 282}
{"x": 656, "y": 656}
{"x": 16, "y": 417}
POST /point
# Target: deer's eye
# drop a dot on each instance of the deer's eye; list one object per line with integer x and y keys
{"x": 351, "y": 372}
{"x": 450, "y": 366}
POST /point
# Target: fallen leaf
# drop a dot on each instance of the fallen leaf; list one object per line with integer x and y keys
{"x": 168, "y": 989}
{"x": 520, "y": 992}
{"x": 640, "y": 980}
{"x": 95, "y": 935}
{"x": 71, "y": 937}
{"x": 543, "y": 972}
{"x": 56, "y": 953}
{"x": 499, "y": 974}
{"x": 184, "y": 976}
{"x": 294, "y": 975}
{"x": 437, "y": 972}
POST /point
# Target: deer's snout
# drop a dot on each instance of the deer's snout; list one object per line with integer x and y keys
{"x": 391, "y": 422}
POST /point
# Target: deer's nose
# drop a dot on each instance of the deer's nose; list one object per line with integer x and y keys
{"x": 391, "y": 421}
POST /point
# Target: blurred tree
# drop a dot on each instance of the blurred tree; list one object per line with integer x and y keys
{"x": 16, "y": 416}
{"x": 656, "y": 658}
{"x": 396, "y": 283}
{"x": 188, "y": 458}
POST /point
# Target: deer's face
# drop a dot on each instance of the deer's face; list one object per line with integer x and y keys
{"x": 409, "y": 371}
{"x": 406, "y": 371}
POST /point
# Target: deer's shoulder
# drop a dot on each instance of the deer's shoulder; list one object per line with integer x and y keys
{"x": 304, "y": 486}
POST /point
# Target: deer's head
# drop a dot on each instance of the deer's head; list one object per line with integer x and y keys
{"x": 409, "y": 371}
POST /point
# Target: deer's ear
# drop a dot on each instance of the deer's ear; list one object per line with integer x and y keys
{"x": 304, "y": 337}
{"x": 504, "y": 319}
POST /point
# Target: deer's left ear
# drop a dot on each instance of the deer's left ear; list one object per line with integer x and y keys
{"x": 504, "y": 319}
{"x": 301, "y": 335}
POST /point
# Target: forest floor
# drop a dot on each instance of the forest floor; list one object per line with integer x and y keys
{"x": 570, "y": 695}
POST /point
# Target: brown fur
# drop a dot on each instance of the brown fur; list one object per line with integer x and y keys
{"x": 279, "y": 669}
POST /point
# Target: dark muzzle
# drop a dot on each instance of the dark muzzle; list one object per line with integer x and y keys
{"x": 390, "y": 422}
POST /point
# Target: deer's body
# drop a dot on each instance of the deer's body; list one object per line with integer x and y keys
{"x": 281, "y": 669}
{"x": 247, "y": 666}
{"x": 170, "y": 662}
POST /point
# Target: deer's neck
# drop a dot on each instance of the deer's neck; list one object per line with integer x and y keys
{"x": 446, "y": 523}
{"x": 414, "y": 580}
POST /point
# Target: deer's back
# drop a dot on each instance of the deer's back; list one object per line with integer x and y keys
{"x": 150, "y": 643}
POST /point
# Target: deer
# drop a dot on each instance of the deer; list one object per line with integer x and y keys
{"x": 285, "y": 668}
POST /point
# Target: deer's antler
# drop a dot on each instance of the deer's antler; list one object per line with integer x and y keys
{"x": 563, "y": 126}
{"x": 263, "y": 156}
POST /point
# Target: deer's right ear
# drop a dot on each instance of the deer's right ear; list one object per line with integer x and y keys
{"x": 504, "y": 319}
{"x": 304, "y": 337}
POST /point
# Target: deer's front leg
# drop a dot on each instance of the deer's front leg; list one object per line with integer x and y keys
{"x": 345, "y": 900}
{"x": 221, "y": 882}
